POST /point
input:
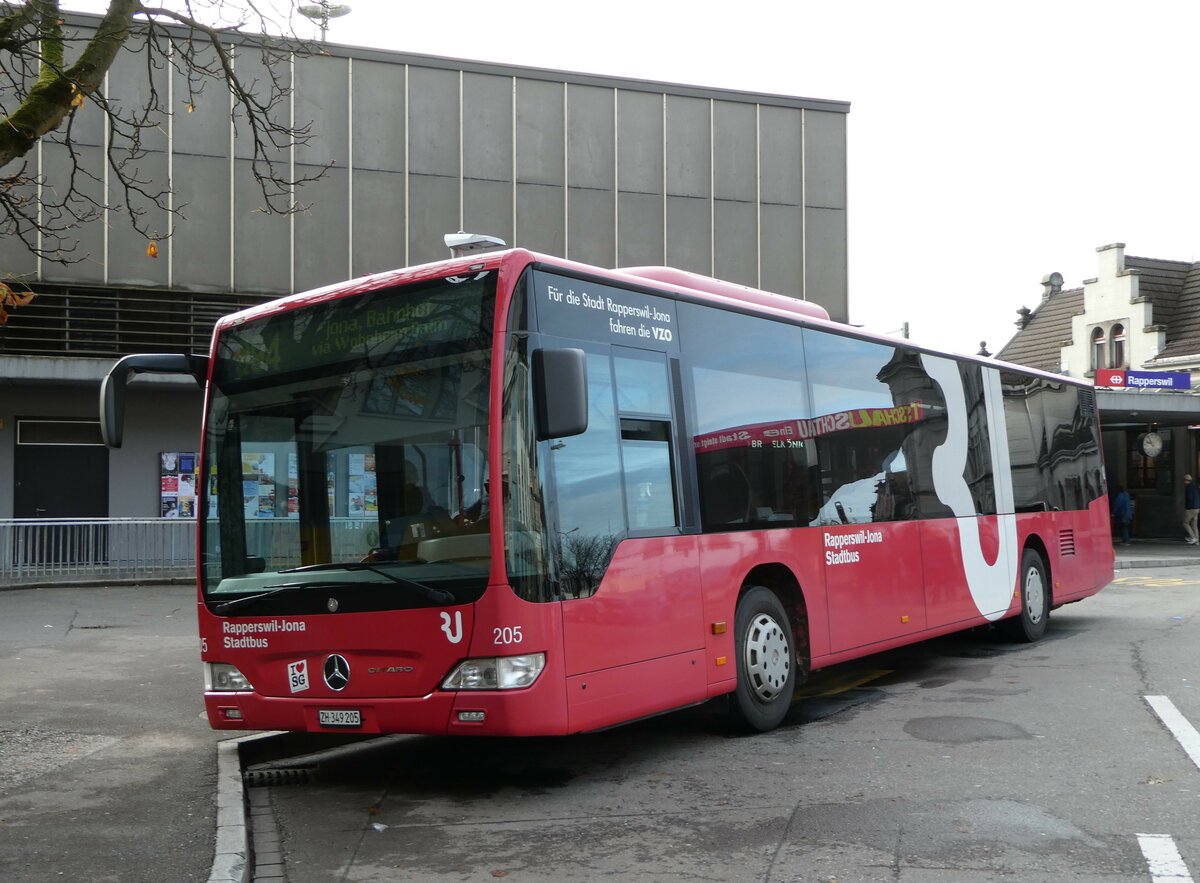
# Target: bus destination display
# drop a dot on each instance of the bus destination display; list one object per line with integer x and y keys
{"x": 576, "y": 308}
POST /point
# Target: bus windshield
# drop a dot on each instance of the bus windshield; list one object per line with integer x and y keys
{"x": 346, "y": 448}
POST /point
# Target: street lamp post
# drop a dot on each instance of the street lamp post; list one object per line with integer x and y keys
{"x": 322, "y": 12}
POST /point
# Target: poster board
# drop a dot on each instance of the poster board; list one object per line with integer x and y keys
{"x": 177, "y": 484}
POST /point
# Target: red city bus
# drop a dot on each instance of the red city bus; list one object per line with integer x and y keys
{"x": 510, "y": 494}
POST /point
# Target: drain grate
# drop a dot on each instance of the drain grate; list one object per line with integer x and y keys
{"x": 276, "y": 776}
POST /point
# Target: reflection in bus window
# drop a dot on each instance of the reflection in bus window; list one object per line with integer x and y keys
{"x": 879, "y": 418}
{"x": 754, "y": 463}
{"x": 587, "y": 471}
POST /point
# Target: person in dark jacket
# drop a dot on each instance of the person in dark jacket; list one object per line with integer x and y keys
{"x": 1122, "y": 510}
{"x": 1191, "y": 510}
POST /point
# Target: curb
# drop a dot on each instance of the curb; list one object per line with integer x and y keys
{"x": 1135, "y": 563}
{"x": 231, "y": 853}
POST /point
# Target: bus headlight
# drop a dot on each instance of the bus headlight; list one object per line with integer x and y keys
{"x": 496, "y": 673}
{"x": 221, "y": 677}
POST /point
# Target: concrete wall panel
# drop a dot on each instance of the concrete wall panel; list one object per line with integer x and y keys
{"x": 88, "y": 257}
{"x": 590, "y": 134}
{"x": 735, "y": 242}
{"x": 590, "y": 224}
{"x": 782, "y": 249}
{"x": 488, "y": 120}
{"x": 640, "y": 229}
{"x": 689, "y": 237}
{"x": 322, "y": 102}
{"x": 433, "y": 139}
{"x": 735, "y": 151}
{"x": 378, "y": 112}
{"x": 433, "y": 212}
{"x": 689, "y": 147}
{"x": 540, "y": 131}
{"x": 781, "y": 156}
{"x": 262, "y": 241}
{"x": 825, "y": 158}
{"x": 825, "y": 260}
{"x": 323, "y": 232}
{"x": 378, "y": 221}
{"x": 640, "y": 142}
{"x": 488, "y": 209}
{"x": 541, "y": 218}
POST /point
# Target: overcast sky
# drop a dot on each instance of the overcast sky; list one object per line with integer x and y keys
{"x": 988, "y": 143}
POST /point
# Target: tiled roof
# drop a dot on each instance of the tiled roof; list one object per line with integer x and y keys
{"x": 1173, "y": 287}
{"x": 1183, "y": 324}
{"x": 1039, "y": 344}
{"x": 1161, "y": 281}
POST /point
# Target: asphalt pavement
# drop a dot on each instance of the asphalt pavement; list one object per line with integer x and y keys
{"x": 108, "y": 770}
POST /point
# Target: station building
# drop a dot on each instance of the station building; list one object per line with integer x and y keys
{"x": 1134, "y": 330}
{"x": 746, "y": 187}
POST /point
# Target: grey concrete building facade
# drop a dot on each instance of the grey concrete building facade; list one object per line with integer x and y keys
{"x": 745, "y": 187}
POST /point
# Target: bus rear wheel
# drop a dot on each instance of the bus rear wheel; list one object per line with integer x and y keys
{"x": 766, "y": 661}
{"x": 1034, "y": 586}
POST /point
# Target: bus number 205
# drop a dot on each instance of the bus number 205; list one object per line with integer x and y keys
{"x": 507, "y": 635}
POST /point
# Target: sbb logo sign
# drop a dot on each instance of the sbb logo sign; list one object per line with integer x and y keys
{"x": 1108, "y": 377}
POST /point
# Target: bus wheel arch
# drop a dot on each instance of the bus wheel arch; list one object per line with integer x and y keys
{"x": 770, "y": 647}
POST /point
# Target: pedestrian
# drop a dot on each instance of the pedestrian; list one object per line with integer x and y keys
{"x": 1122, "y": 510}
{"x": 1191, "y": 510}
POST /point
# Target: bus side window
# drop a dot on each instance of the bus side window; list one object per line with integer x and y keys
{"x": 649, "y": 479}
{"x": 644, "y": 406}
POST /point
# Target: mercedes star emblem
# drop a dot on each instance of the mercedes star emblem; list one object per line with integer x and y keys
{"x": 337, "y": 673}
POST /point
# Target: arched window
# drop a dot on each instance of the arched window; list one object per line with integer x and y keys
{"x": 1118, "y": 346}
{"x": 1098, "y": 346}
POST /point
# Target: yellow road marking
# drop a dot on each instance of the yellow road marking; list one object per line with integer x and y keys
{"x": 835, "y": 684}
{"x": 1154, "y": 582}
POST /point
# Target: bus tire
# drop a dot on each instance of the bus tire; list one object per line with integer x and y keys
{"x": 1034, "y": 587}
{"x": 766, "y": 662}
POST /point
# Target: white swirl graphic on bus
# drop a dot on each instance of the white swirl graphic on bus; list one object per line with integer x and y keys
{"x": 991, "y": 585}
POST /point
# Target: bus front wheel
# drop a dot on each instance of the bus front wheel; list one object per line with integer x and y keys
{"x": 766, "y": 661}
{"x": 1034, "y": 587}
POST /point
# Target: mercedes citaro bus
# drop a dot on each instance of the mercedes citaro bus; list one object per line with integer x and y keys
{"x": 509, "y": 494}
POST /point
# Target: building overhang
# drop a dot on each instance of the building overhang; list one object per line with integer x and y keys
{"x": 75, "y": 370}
{"x": 1138, "y": 408}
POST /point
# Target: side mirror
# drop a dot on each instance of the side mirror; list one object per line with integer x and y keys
{"x": 112, "y": 388}
{"x": 560, "y": 394}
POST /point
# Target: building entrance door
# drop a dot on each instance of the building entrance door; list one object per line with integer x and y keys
{"x": 60, "y": 470}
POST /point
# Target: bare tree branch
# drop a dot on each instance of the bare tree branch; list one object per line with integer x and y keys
{"x": 41, "y": 92}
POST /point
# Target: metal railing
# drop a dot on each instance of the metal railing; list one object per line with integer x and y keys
{"x": 60, "y": 550}
{"x": 66, "y": 550}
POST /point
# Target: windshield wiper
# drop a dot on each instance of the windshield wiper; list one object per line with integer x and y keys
{"x": 246, "y": 600}
{"x": 436, "y": 595}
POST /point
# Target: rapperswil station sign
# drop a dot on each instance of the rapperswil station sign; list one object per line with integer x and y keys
{"x": 1118, "y": 379}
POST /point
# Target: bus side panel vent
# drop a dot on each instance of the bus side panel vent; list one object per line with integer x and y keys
{"x": 1066, "y": 543}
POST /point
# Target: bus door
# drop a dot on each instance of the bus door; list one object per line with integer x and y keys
{"x": 629, "y": 578}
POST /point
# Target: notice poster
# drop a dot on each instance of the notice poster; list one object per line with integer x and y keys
{"x": 356, "y": 468}
{"x": 362, "y": 490}
{"x": 212, "y": 491}
{"x": 177, "y": 484}
{"x": 258, "y": 485}
{"x": 293, "y": 491}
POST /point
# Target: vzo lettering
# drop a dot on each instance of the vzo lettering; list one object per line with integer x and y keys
{"x": 453, "y": 635}
{"x": 661, "y": 333}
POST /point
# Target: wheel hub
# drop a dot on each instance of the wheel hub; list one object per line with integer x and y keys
{"x": 1035, "y": 594}
{"x": 767, "y": 657}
